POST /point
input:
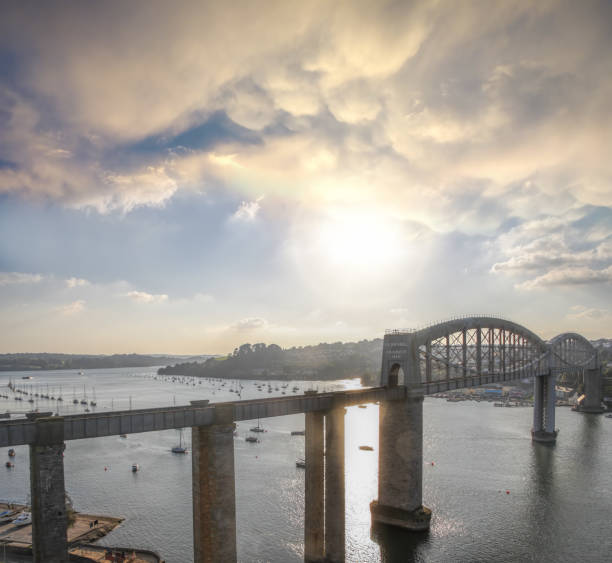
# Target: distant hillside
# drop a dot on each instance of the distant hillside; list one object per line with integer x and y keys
{"x": 36, "y": 362}
{"x": 261, "y": 361}
{"x": 320, "y": 362}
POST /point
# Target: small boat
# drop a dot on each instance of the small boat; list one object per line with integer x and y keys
{"x": 257, "y": 428}
{"x": 298, "y": 432}
{"x": 23, "y": 519}
{"x": 7, "y": 515}
{"x": 366, "y": 448}
{"x": 609, "y": 416}
{"x": 26, "y": 377}
{"x": 252, "y": 439}
{"x": 122, "y": 435}
{"x": 9, "y": 464}
{"x": 363, "y": 406}
{"x": 300, "y": 463}
{"x": 135, "y": 467}
{"x": 11, "y": 452}
{"x": 179, "y": 449}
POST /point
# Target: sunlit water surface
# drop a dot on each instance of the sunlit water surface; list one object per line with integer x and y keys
{"x": 559, "y": 505}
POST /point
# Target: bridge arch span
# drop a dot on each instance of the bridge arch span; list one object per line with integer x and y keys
{"x": 463, "y": 352}
{"x": 570, "y": 351}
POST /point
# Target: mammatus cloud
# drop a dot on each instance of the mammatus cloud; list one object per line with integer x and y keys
{"x": 390, "y": 104}
{"x": 17, "y": 278}
{"x": 148, "y": 298}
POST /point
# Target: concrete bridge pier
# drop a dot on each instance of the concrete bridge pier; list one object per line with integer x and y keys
{"x": 544, "y": 398}
{"x": 314, "y": 479}
{"x": 49, "y": 521}
{"x": 214, "y": 494}
{"x": 334, "y": 485}
{"x": 593, "y": 395}
{"x": 400, "y": 465}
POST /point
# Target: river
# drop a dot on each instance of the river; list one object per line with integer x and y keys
{"x": 495, "y": 495}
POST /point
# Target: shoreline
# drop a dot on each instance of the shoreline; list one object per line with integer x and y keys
{"x": 82, "y": 536}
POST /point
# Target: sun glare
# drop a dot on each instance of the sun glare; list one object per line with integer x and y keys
{"x": 358, "y": 241}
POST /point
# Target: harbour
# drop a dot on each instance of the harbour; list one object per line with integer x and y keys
{"x": 473, "y": 453}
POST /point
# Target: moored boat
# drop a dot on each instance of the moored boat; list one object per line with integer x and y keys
{"x": 179, "y": 449}
{"x": 23, "y": 519}
{"x": 7, "y": 515}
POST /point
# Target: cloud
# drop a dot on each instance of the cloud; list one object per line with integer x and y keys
{"x": 580, "y": 312}
{"x": 18, "y": 278}
{"x": 76, "y": 282}
{"x": 571, "y": 249}
{"x": 249, "y": 324}
{"x": 394, "y": 104}
{"x": 568, "y": 277}
{"x": 72, "y": 308}
{"x": 247, "y": 211}
{"x": 148, "y": 298}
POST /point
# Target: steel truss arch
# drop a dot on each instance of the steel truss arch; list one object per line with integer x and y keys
{"x": 476, "y": 350}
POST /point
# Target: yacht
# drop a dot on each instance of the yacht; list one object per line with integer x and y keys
{"x": 6, "y": 515}
{"x": 179, "y": 449}
{"x": 257, "y": 428}
{"x": 23, "y": 519}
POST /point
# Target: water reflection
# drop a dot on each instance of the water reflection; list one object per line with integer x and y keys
{"x": 398, "y": 545}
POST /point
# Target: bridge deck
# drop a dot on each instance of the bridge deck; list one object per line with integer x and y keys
{"x": 96, "y": 425}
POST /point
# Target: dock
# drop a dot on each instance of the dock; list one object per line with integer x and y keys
{"x": 86, "y": 529}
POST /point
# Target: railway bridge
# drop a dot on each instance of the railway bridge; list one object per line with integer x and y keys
{"x": 462, "y": 352}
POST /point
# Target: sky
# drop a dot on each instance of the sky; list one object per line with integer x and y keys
{"x": 183, "y": 177}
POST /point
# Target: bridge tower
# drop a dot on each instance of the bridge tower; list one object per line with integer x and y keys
{"x": 400, "y": 458}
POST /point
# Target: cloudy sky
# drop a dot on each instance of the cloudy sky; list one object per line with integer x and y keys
{"x": 184, "y": 177}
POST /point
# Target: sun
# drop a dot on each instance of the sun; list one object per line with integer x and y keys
{"x": 357, "y": 241}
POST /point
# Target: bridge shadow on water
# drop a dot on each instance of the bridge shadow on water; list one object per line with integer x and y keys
{"x": 399, "y": 546}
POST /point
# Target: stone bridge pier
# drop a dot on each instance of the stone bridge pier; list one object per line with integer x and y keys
{"x": 49, "y": 520}
{"x": 593, "y": 391}
{"x": 544, "y": 398}
{"x": 400, "y": 465}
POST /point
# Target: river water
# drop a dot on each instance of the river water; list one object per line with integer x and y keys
{"x": 558, "y": 506}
